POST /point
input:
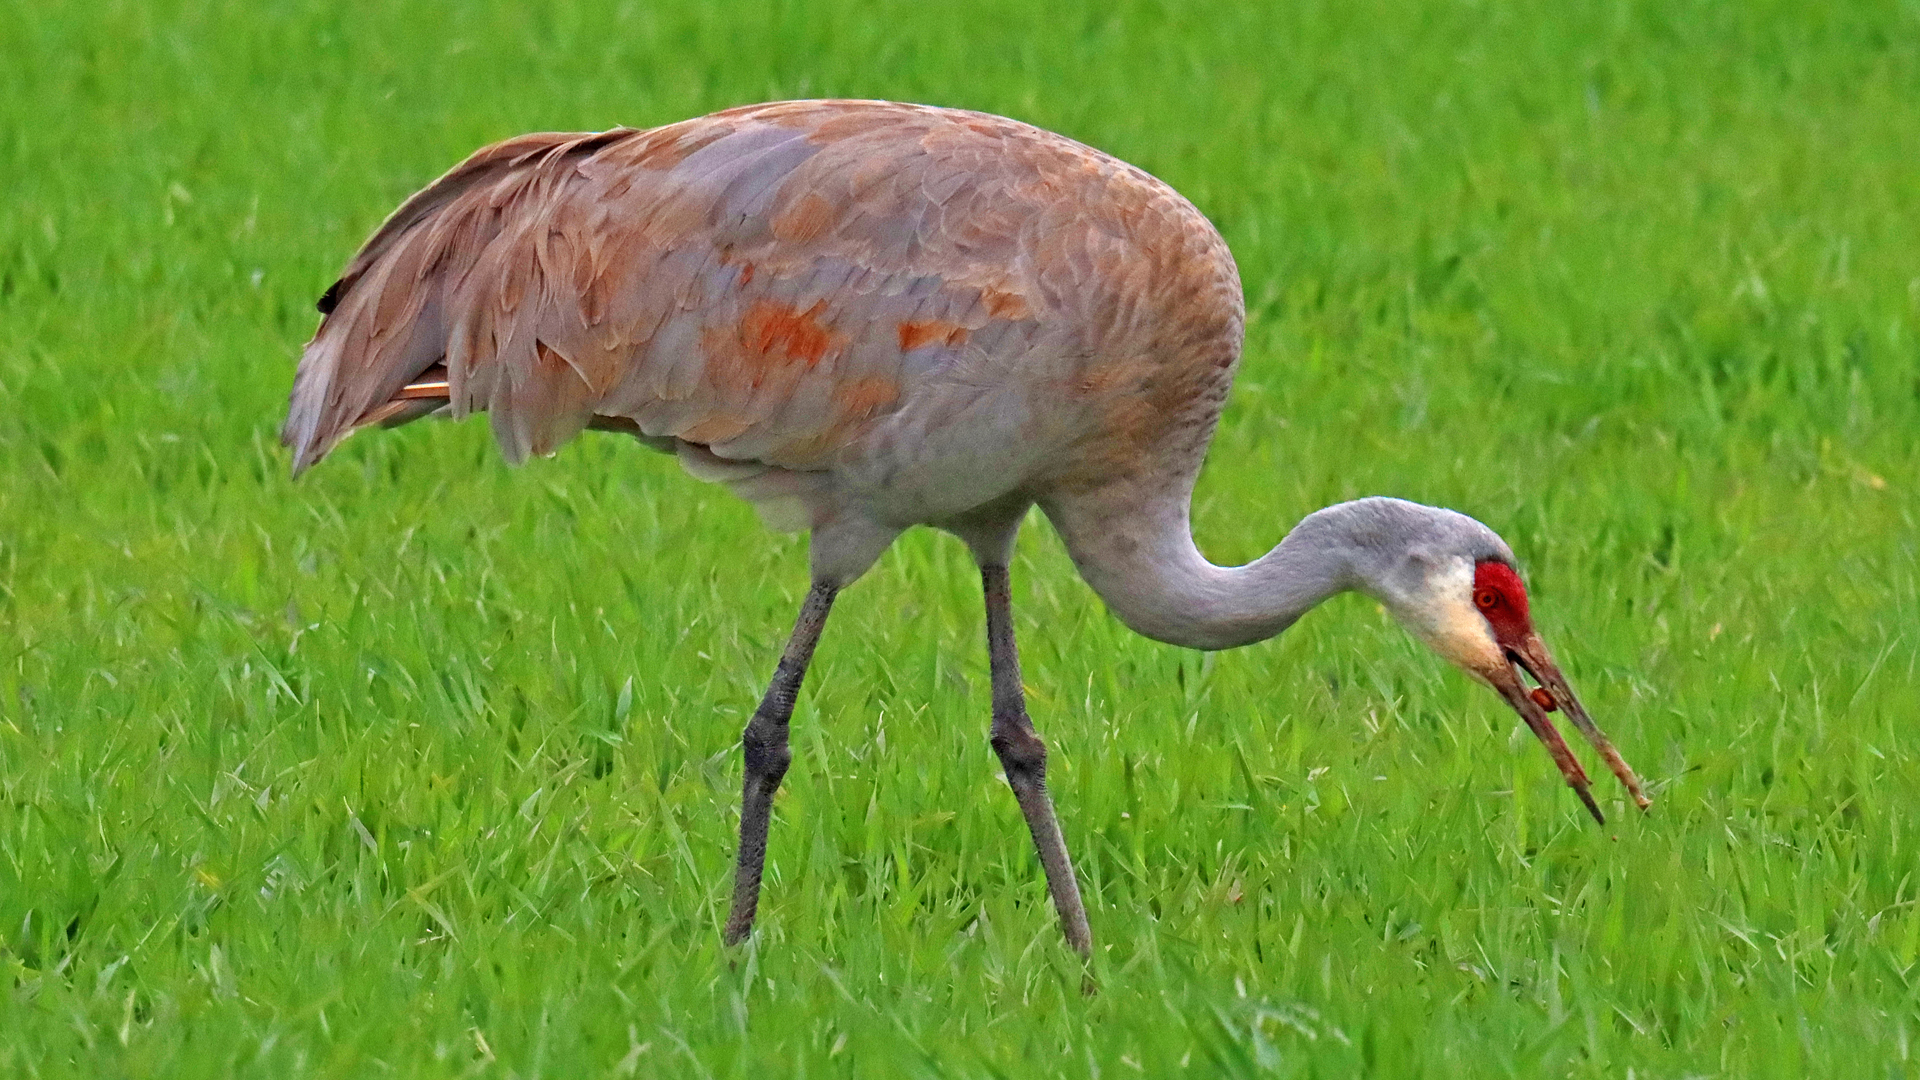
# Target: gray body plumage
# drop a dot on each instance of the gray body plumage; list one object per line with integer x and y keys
{"x": 862, "y": 316}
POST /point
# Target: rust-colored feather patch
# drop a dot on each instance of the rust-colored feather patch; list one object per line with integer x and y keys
{"x": 1005, "y": 305}
{"x": 804, "y": 221}
{"x": 772, "y": 328}
{"x": 913, "y": 335}
{"x": 860, "y": 399}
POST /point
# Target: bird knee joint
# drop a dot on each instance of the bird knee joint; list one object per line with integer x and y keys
{"x": 1021, "y": 752}
{"x": 765, "y": 748}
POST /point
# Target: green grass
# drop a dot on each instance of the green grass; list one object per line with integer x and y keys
{"x": 426, "y": 767}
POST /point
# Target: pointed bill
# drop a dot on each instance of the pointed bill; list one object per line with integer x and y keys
{"x": 1513, "y": 688}
{"x": 1531, "y": 655}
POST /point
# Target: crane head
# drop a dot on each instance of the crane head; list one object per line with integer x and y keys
{"x": 1452, "y": 582}
{"x": 1518, "y": 655}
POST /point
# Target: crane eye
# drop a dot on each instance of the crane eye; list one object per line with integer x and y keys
{"x": 1486, "y": 599}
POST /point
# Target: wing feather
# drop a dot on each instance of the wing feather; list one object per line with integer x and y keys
{"x": 766, "y": 283}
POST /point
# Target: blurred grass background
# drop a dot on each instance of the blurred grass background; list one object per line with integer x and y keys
{"x": 428, "y": 767}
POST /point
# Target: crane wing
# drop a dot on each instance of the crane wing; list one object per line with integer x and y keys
{"x": 765, "y": 282}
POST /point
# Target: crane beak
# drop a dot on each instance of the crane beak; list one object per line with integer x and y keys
{"x": 1530, "y": 655}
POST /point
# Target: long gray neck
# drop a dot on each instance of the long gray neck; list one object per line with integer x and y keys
{"x": 1139, "y": 555}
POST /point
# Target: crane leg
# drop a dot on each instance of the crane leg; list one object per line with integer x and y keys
{"x": 764, "y": 745}
{"x": 1024, "y": 755}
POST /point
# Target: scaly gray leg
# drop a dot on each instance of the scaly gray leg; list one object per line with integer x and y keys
{"x": 764, "y": 745}
{"x": 1024, "y": 756}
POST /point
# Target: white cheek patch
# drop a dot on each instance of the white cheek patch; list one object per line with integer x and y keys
{"x": 1447, "y": 621}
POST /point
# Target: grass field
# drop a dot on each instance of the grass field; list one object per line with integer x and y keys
{"x": 427, "y": 767}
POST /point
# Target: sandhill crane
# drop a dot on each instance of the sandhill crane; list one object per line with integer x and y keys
{"x": 864, "y": 316}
